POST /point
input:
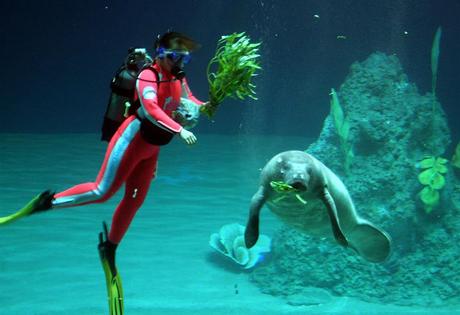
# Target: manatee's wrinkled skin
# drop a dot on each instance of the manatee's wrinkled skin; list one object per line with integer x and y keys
{"x": 320, "y": 205}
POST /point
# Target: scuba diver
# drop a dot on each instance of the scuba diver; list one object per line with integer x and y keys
{"x": 150, "y": 94}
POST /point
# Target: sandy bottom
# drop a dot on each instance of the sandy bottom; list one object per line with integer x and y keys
{"x": 49, "y": 262}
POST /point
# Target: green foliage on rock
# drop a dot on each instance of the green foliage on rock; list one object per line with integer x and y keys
{"x": 456, "y": 157}
{"x": 433, "y": 179}
{"x": 342, "y": 125}
{"x": 435, "y": 51}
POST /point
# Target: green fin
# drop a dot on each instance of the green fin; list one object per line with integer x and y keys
{"x": 114, "y": 290}
{"x": 112, "y": 276}
{"x": 40, "y": 202}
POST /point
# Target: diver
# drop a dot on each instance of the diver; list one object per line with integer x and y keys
{"x": 132, "y": 153}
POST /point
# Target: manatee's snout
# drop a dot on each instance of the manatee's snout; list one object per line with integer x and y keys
{"x": 294, "y": 172}
{"x": 299, "y": 185}
{"x": 299, "y": 182}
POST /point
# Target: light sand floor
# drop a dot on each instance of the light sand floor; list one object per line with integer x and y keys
{"x": 49, "y": 262}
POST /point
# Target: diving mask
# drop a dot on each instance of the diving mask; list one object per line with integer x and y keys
{"x": 179, "y": 59}
{"x": 177, "y": 56}
{"x": 183, "y": 57}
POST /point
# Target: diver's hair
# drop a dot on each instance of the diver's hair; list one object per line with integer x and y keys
{"x": 170, "y": 39}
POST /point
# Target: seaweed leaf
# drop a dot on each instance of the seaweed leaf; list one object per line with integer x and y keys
{"x": 435, "y": 50}
{"x": 230, "y": 71}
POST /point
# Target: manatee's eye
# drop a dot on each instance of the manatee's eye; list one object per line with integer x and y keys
{"x": 308, "y": 173}
{"x": 284, "y": 167}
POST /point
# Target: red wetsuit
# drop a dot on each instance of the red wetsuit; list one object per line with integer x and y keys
{"x": 130, "y": 158}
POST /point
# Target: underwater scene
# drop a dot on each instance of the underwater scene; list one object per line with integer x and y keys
{"x": 230, "y": 157}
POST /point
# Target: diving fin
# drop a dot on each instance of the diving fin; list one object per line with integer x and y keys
{"x": 41, "y": 202}
{"x": 113, "y": 280}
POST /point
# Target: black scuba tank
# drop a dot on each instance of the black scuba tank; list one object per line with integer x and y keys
{"x": 120, "y": 103}
{"x": 123, "y": 87}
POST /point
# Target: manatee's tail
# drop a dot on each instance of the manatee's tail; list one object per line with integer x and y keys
{"x": 370, "y": 242}
{"x": 41, "y": 202}
{"x": 112, "y": 277}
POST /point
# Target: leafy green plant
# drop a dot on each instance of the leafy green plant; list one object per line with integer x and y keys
{"x": 235, "y": 62}
{"x": 433, "y": 180}
{"x": 456, "y": 157}
{"x": 435, "y": 51}
{"x": 282, "y": 187}
{"x": 342, "y": 125}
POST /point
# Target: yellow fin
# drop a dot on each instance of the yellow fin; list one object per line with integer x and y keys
{"x": 114, "y": 290}
{"x": 26, "y": 210}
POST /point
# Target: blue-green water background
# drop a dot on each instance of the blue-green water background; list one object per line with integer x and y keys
{"x": 49, "y": 262}
{"x": 58, "y": 58}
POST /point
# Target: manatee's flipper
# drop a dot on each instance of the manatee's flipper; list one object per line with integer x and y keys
{"x": 332, "y": 212}
{"x": 41, "y": 202}
{"x": 113, "y": 280}
{"x": 370, "y": 242}
{"x": 251, "y": 234}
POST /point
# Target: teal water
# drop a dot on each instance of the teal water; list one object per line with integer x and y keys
{"x": 49, "y": 263}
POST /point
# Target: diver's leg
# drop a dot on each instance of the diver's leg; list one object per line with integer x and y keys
{"x": 125, "y": 150}
{"x": 120, "y": 159}
{"x": 137, "y": 185}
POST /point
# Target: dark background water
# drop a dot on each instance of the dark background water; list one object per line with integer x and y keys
{"x": 58, "y": 57}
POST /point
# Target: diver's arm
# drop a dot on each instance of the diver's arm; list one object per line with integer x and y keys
{"x": 187, "y": 93}
{"x": 146, "y": 88}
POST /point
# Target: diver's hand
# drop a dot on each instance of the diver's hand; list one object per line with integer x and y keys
{"x": 204, "y": 106}
{"x": 187, "y": 136}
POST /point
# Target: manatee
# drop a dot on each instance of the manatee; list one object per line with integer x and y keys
{"x": 306, "y": 195}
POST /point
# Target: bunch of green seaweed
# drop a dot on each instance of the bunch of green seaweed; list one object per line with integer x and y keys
{"x": 236, "y": 62}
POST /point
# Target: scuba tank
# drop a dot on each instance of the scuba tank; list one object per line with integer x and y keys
{"x": 123, "y": 85}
